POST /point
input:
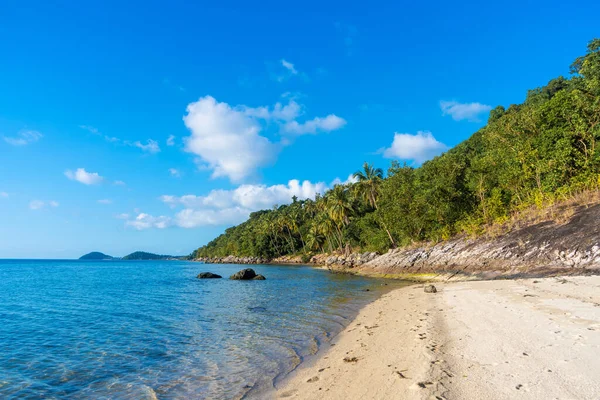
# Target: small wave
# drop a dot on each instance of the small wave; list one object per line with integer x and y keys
{"x": 149, "y": 392}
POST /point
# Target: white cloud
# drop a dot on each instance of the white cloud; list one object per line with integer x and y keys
{"x": 227, "y": 139}
{"x": 81, "y": 175}
{"x": 171, "y": 140}
{"x": 4, "y": 195}
{"x": 151, "y": 146}
{"x": 289, "y": 66}
{"x": 287, "y": 112}
{"x": 228, "y": 207}
{"x": 190, "y": 218}
{"x": 329, "y": 123}
{"x": 119, "y": 183}
{"x": 39, "y": 204}
{"x": 174, "y": 172}
{"x": 90, "y": 129}
{"x": 419, "y": 147}
{"x": 23, "y": 138}
{"x": 252, "y": 197}
{"x": 122, "y": 216}
{"x": 460, "y": 111}
{"x": 284, "y": 70}
{"x": 145, "y": 221}
{"x": 351, "y": 179}
{"x": 36, "y": 204}
{"x": 105, "y": 201}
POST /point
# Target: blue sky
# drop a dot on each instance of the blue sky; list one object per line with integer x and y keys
{"x": 253, "y": 96}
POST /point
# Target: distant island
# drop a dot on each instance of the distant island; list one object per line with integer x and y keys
{"x": 142, "y": 255}
{"x": 96, "y": 255}
{"x": 137, "y": 255}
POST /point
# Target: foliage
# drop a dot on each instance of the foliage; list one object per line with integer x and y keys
{"x": 142, "y": 255}
{"x": 528, "y": 154}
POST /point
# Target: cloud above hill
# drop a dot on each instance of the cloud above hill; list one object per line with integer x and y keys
{"x": 229, "y": 140}
{"x": 419, "y": 147}
{"x": 228, "y": 207}
{"x": 464, "y": 111}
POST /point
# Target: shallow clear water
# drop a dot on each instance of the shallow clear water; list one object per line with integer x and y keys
{"x": 150, "y": 329}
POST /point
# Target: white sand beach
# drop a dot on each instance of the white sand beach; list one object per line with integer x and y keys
{"x": 503, "y": 339}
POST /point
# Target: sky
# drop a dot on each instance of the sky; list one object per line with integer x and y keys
{"x": 154, "y": 125}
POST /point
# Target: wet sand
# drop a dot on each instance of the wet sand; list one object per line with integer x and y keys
{"x": 505, "y": 339}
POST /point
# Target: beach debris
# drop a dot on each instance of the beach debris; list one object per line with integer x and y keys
{"x": 519, "y": 386}
{"x": 400, "y": 374}
{"x": 350, "y": 359}
{"x": 244, "y": 275}
{"x": 313, "y": 379}
{"x": 208, "y": 275}
{"x": 430, "y": 289}
{"x": 423, "y": 385}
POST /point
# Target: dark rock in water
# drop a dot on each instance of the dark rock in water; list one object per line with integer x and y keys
{"x": 259, "y": 278}
{"x": 208, "y": 275}
{"x": 243, "y": 275}
{"x": 430, "y": 289}
{"x": 257, "y": 309}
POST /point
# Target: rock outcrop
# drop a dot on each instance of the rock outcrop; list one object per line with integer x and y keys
{"x": 208, "y": 275}
{"x": 233, "y": 260}
{"x": 540, "y": 249}
{"x": 244, "y": 275}
{"x": 545, "y": 248}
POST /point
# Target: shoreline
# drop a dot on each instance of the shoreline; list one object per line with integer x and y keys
{"x": 324, "y": 343}
{"x": 365, "y": 338}
{"x": 531, "y": 338}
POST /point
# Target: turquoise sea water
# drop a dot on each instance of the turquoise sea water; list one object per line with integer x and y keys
{"x": 150, "y": 329}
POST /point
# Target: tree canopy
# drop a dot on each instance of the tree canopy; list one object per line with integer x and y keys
{"x": 528, "y": 154}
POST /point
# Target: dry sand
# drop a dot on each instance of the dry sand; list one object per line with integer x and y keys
{"x": 517, "y": 339}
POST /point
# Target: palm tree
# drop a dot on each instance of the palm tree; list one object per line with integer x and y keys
{"x": 368, "y": 183}
{"x": 327, "y": 227}
{"x": 315, "y": 239}
{"x": 339, "y": 205}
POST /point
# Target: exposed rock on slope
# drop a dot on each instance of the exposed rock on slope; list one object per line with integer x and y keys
{"x": 542, "y": 249}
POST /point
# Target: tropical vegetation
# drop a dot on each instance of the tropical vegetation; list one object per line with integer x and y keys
{"x": 528, "y": 155}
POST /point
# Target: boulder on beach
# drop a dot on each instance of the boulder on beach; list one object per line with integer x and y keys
{"x": 430, "y": 289}
{"x": 259, "y": 278}
{"x": 244, "y": 275}
{"x": 208, "y": 275}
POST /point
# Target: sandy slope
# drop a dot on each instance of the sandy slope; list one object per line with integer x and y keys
{"x": 525, "y": 339}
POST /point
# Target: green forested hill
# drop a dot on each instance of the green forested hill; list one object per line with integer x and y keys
{"x": 96, "y": 255}
{"x": 530, "y": 154}
{"x": 142, "y": 255}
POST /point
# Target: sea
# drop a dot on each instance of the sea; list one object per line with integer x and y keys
{"x": 152, "y": 330}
